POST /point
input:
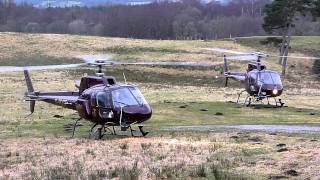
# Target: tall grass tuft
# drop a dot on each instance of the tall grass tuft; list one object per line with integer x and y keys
{"x": 130, "y": 173}
{"x": 199, "y": 171}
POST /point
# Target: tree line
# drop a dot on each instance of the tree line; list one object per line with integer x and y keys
{"x": 281, "y": 18}
{"x": 186, "y": 19}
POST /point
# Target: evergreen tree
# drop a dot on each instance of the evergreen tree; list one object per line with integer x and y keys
{"x": 316, "y": 8}
{"x": 280, "y": 16}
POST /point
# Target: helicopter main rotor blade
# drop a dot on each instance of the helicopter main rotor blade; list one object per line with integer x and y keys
{"x": 190, "y": 63}
{"x": 261, "y": 54}
{"x": 221, "y": 50}
{"x": 299, "y": 57}
{"x": 243, "y": 58}
{"x": 105, "y": 60}
{"x": 92, "y": 59}
{"x": 37, "y": 68}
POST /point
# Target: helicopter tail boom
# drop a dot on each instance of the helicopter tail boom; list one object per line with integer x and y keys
{"x": 30, "y": 90}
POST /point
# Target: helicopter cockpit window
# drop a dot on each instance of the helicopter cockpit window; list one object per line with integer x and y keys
{"x": 128, "y": 96}
{"x": 253, "y": 77}
{"x": 102, "y": 99}
{"x": 93, "y": 100}
{"x": 269, "y": 78}
{"x": 138, "y": 95}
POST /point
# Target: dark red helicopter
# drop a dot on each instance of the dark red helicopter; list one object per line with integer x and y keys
{"x": 259, "y": 82}
{"x": 100, "y": 99}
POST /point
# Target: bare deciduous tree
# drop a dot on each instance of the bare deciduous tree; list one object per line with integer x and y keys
{"x": 77, "y": 27}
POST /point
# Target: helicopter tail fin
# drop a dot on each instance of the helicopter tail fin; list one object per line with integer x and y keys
{"x": 28, "y": 81}
{"x": 30, "y": 89}
{"x": 226, "y": 70}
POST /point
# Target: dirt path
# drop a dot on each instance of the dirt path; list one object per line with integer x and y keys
{"x": 315, "y": 129}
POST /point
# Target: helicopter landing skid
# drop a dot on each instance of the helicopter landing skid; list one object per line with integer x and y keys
{"x": 105, "y": 129}
{"x": 143, "y": 133}
{"x": 250, "y": 100}
{"x": 75, "y": 126}
{"x": 278, "y": 102}
{"x": 247, "y": 101}
{"x": 100, "y": 132}
{"x": 96, "y": 132}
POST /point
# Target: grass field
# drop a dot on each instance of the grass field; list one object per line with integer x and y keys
{"x": 299, "y": 44}
{"x": 38, "y": 146}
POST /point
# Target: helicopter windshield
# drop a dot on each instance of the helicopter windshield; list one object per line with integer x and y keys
{"x": 128, "y": 96}
{"x": 269, "y": 78}
{"x": 102, "y": 99}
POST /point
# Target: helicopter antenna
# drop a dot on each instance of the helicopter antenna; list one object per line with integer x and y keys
{"x": 124, "y": 77}
{"x": 259, "y": 62}
{"x": 99, "y": 68}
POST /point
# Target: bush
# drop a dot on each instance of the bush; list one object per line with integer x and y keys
{"x": 32, "y": 27}
{"x": 274, "y": 41}
{"x": 77, "y": 27}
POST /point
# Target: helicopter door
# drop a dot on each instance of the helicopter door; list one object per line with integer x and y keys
{"x": 252, "y": 81}
{"x": 252, "y": 78}
{"x": 84, "y": 108}
{"x": 104, "y": 105}
{"x": 95, "y": 109}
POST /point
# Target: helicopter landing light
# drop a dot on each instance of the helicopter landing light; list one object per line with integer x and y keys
{"x": 275, "y": 91}
{"x": 252, "y": 88}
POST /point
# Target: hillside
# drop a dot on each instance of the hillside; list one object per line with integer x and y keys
{"x": 63, "y": 3}
{"x": 70, "y": 46}
{"x": 300, "y": 44}
{"x": 38, "y": 146}
{"x": 43, "y": 49}
{"x": 40, "y": 49}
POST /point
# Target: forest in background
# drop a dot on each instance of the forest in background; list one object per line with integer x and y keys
{"x": 187, "y": 19}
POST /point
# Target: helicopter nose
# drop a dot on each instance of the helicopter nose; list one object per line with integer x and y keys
{"x": 139, "y": 112}
{"x": 275, "y": 91}
{"x": 137, "y": 109}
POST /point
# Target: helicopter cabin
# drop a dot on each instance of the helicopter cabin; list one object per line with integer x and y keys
{"x": 254, "y": 66}
{"x": 89, "y": 81}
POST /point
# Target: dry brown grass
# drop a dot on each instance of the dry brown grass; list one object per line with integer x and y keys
{"x": 27, "y": 157}
{"x": 36, "y": 154}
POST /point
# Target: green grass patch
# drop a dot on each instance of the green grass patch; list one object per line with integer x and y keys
{"x": 140, "y": 50}
{"x": 304, "y": 44}
{"x": 208, "y": 113}
{"x": 166, "y": 114}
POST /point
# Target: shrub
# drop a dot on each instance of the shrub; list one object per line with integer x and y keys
{"x": 274, "y": 41}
